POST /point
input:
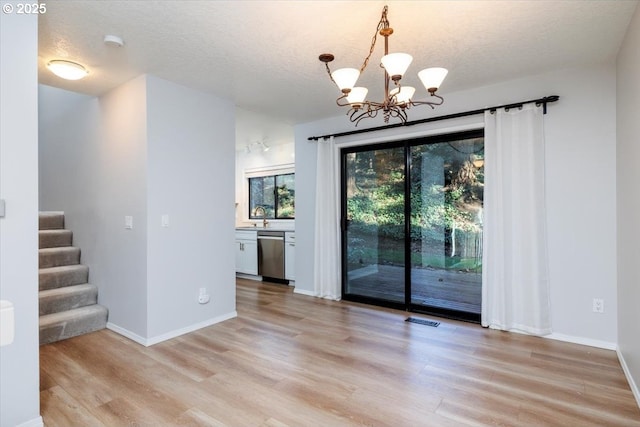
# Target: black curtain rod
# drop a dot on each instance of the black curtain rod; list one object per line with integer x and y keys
{"x": 540, "y": 101}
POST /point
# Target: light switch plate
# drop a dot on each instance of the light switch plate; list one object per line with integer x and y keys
{"x": 128, "y": 222}
{"x": 165, "y": 220}
{"x": 7, "y": 323}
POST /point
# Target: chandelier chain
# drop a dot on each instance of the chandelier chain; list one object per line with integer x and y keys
{"x": 384, "y": 23}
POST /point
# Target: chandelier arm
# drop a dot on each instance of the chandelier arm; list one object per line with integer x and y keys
{"x": 439, "y": 97}
{"x": 368, "y": 114}
{"x": 345, "y": 104}
{"x": 432, "y": 104}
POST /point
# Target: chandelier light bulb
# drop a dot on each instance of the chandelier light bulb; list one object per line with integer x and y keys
{"x": 67, "y": 70}
{"x": 432, "y": 78}
{"x": 357, "y": 95}
{"x": 396, "y": 64}
{"x": 403, "y": 94}
{"x": 345, "y": 78}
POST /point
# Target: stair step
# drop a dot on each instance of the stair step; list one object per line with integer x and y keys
{"x": 67, "y": 298}
{"x": 55, "y": 238}
{"x": 51, "y": 220}
{"x": 55, "y": 257}
{"x": 71, "y": 323}
{"x": 66, "y": 275}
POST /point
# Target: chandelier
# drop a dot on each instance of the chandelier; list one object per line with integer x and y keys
{"x": 396, "y": 101}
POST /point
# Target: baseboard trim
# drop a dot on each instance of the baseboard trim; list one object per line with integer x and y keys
{"x": 630, "y": 380}
{"x": 36, "y": 422}
{"x": 304, "y": 292}
{"x": 176, "y": 333}
{"x": 248, "y": 276}
{"x": 147, "y": 342}
{"x": 583, "y": 341}
{"x": 127, "y": 333}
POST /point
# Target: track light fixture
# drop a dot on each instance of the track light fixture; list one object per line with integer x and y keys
{"x": 263, "y": 146}
{"x": 396, "y": 101}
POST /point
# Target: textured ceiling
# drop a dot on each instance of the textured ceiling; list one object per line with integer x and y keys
{"x": 262, "y": 55}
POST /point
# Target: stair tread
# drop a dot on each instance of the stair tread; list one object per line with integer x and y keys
{"x": 72, "y": 323}
{"x": 59, "y": 249}
{"x": 52, "y": 257}
{"x": 55, "y": 238}
{"x": 55, "y": 231}
{"x": 88, "y": 310}
{"x": 67, "y": 298}
{"x": 67, "y": 290}
{"x": 62, "y": 268}
{"x": 62, "y": 275}
{"x": 51, "y": 220}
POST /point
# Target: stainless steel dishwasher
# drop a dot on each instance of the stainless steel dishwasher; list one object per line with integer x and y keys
{"x": 271, "y": 254}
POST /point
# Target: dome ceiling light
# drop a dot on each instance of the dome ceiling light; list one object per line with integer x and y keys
{"x": 67, "y": 70}
{"x": 396, "y": 101}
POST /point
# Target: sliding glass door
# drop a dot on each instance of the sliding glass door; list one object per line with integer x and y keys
{"x": 447, "y": 179}
{"x": 374, "y": 231}
{"x": 414, "y": 240}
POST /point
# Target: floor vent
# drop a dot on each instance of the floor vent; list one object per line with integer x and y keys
{"x": 423, "y": 321}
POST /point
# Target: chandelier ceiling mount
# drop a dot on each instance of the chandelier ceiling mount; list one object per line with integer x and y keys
{"x": 396, "y": 101}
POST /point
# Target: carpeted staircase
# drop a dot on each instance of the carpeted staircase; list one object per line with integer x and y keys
{"x": 68, "y": 304}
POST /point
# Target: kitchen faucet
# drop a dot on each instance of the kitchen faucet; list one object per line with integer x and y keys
{"x": 264, "y": 215}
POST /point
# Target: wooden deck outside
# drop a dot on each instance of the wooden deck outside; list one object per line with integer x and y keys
{"x": 456, "y": 290}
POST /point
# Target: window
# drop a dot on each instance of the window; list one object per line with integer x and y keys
{"x": 275, "y": 194}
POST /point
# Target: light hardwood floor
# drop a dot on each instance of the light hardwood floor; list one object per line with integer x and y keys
{"x": 292, "y": 360}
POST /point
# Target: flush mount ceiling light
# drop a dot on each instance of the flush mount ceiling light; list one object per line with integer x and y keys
{"x": 67, "y": 70}
{"x": 397, "y": 101}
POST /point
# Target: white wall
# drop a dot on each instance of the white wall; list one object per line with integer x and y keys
{"x": 580, "y": 167}
{"x": 93, "y": 167}
{"x": 191, "y": 144}
{"x": 628, "y": 133}
{"x": 19, "y": 366}
{"x": 118, "y": 268}
{"x": 146, "y": 148}
{"x": 252, "y": 127}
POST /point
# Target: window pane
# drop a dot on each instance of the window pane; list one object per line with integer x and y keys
{"x": 261, "y": 193}
{"x": 285, "y": 185}
{"x": 374, "y": 195}
{"x": 447, "y": 183}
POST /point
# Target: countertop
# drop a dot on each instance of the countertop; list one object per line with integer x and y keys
{"x": 276, "y": 228}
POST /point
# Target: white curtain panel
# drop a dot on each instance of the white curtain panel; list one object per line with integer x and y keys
{"x": 326, "y": 276}
{"x": 515, "y": 278}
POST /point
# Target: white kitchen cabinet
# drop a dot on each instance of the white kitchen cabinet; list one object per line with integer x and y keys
{"x": 246, "y": 252}
{"x": 289, "y": 255}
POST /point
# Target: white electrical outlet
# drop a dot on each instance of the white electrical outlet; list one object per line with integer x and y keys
{"x": 598, "y": 305}
{"x": 203, "y": 298}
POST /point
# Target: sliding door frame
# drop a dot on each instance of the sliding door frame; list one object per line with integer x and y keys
{"x": 407, "y": 144}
